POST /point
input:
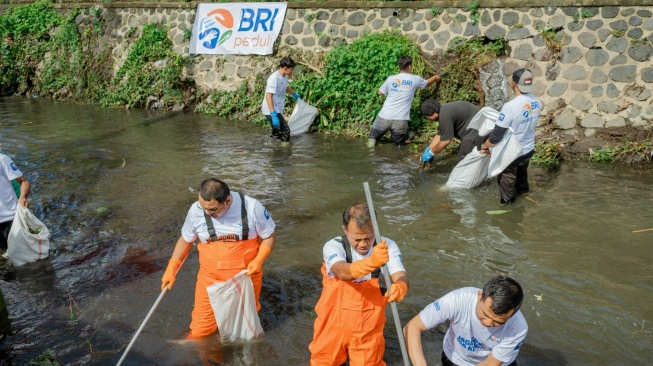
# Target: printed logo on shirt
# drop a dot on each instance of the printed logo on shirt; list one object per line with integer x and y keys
{"x": 471, "y": 345}
{"x": 401, "y": 85}
{"x": 228, "y": 238}
{"x": 331, "y": 257}
{"x": 437, "y": 305}
{"x": 518, "y": 346}
{"x": 13, "y": 166}
{"x": 267, "y": 215}
{"x": 501, "y": 116}
{"x": 395, "y": 83}
{"x": 526, "y": 111}
{"x": 240, "y": 223}
{"x": 400, "y": 259}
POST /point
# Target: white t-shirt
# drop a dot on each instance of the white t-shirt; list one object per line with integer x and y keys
{"x": 8, "y": 201}
{"x": 276, "y": 85}
{"x": 521, "y": 114}
{"x": 334, "y": 252}
{"x": 230, "y": 224}
{"x": 467, "y": 341}
{"x": 400, "y": 91}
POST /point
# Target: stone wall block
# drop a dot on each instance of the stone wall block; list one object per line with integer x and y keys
{"x": 539, "y": 88}
{"x": 495, "y": 32}
{"x": 486, "y": 19}
{"x": 570, "y": 11}
{"x": 338, "y": 17}
{"x": 598, "y": 76}
{"x": 575, "y": 26}
{"x": 647, "y": 75}
{"x": 442, "y": 37}
{"x": 579, "y": 87}
{"x": 370, "y": 17}
{"x": 612, "y": 91}
{"x": 594, "y": 24}
{"x": 434, "y": 25}
{"x": 619, "y": 25}
{"x": 607, "y": 107}
{"x": 596, "y": 57}
{"x": 603, "y": 34}
{"x": 587, "y": 39}
{"x": 557, "y": 21}
{"x": 618, "y": 60}
{"x": 625, "y": 74}
{"x": 420, "y": 27}
{"x": 557, "y": 89}
{"x": 523, "y": 52}
{"x": 635, "y": 21}
{"x": 472, "y": 30}
{"x": 355, "y": 19}
{"x": 580, "y": 102}
{"x": 510, "y": 18}
{"x": 566, "y": 120}
{"x": 570, "y": 55}
{"x": 592, "y": 121}
{"x": 644, "y": 13}
{"x": 518, "y": 33}
{"x": 640, "y": 51}
{"x": 456, "y": 28}
{"x": 291, "y": 40}
{"x": 552, "y": 71}
{"x": 308, "y": 41}
{"x": 510, "y": 67}
{"x": 615, "y": 121}
{"x": 635, "y": 33}
{"x": 648, "y": 25}
{"x": 617, "y": 44}
{"x": 298, "y": 27}
{"x": 206, "y": 65}
{"x": 596, "y": 91}
{"x": 575, "y": 72}
{"x": 628, "y": 11}
{"x": 377, "y": 23}
{"x": 609, "y": 11}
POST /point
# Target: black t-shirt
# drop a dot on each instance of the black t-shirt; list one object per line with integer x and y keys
{"x": 454, "y": 118}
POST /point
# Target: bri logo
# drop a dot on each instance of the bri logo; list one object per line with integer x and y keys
{"x": 13, "y": 166}
{"x": 526, "y": 110}
{"x": 396, "y": 83}
{"x": 267, "y": 214}
{"x": 331, "y": 257}
{"x": 501, "y": 116}
{"x": 518, "y": 346}
{"x": 437, "y": 306}
{"x": 210, "y": 33}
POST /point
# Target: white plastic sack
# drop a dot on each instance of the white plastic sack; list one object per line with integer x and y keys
{"x": 484, "y": 121}
{"x": 29, "y": 238}
{"x": 469, "y": 172}
{"x": 234, "y": 306}
{"x": 302, "y": 118}
{"x": 503, "y": 153}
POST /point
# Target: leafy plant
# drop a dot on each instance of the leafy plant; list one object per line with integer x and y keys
{"x": 626, "y": 150}
{"x": 552, "y": 39}
{"x": 547, "y": 154}
{"x": 618, "y": 32}
{"x": 188, "y": 34}
{"x": 473, "y": 8}
{"x": 435, "y": 11}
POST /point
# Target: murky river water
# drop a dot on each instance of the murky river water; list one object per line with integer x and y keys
{"x": 113, "y": 188}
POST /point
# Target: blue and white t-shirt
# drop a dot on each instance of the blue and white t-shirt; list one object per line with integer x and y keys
{"x": 521, "y": 114}
{"x": 276, "y": 85}
{"x": 467, "y": 341}
{"x": 230, "y": 225}
{"x": 400, "y": 91}
{"x": 8, "y": 201}
{"x": 334, "y": 252}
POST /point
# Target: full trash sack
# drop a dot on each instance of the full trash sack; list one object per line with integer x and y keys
{"x": 503, "y": 153}
{"x": 302, "y": 118}
{"x": 469, "y": 172}
{"x": 234, "y": 306}
{"x": 29, "y": 238}
{"x": 484, "y": 121}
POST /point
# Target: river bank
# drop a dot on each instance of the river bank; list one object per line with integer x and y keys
{"x": 591, "y": 64}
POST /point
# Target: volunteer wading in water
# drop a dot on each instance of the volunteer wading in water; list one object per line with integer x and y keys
{"x": 236, "y": 232}
{"x": 485, "y": 326}
{"x": 351, "y": 309}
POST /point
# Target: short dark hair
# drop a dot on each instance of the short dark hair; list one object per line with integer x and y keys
{"x": 430, "y": 106}
{"x": 505, "y": 292}
{"x": 360, "y": 212}
{"x": 287, "y": 62}
{"x": 212, "y": 188}
{"x": 404, "y": 61}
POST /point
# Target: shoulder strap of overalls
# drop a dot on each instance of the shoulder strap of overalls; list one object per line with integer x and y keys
{"x": 345, "y": 244}
{"x": 243, "y": 217}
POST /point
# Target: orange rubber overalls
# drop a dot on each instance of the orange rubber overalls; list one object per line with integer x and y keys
{"x": 350, "y": 321}
{"x": 220, "y": 261}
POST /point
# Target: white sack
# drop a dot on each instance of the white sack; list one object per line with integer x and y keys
{"x": 503, "y": 153}
{"x": 302, "y": 118}
{"x": 469, "y": 172}
{"x": 484, "y": 121}
{"x": 22, "y": 245}
{"x": 234, "y": 306}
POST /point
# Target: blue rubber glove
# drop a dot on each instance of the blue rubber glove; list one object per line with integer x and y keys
{"x": 275, "y": 119}
{"x": 428, "y": 155}
{"x": 296, "y": 95}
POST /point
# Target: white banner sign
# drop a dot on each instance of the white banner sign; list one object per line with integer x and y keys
{"x": 236, "y": 28}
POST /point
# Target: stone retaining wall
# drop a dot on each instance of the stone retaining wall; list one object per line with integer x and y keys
{"x": 602, "y": 76}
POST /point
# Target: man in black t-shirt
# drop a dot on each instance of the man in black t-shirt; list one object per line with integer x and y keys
{"x": 453, "y": 120}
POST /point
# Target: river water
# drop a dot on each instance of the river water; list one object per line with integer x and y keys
{"x": 113, "y": 187}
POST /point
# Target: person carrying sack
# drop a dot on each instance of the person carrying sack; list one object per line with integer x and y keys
{"x": 351, "y": 309}
{"x": 8, "y": 201}
{"x": 235, "y": 232}
{"x": 519, "y": 116}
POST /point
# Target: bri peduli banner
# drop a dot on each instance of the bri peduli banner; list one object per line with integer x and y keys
{"x": 236, "y": 28}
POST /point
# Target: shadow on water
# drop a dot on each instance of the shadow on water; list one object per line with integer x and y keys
{"x": 114, "y": 194}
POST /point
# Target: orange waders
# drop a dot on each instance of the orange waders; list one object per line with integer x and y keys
{"x": 350, "y": 321}
{"x": 220, "y": 261}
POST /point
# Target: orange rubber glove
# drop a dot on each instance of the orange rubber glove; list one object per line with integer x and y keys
{"x": 256, "y": 265}
{"x": 170, "y": 273}
{"x": 378, "y": 258}
{"x": 397, "y": 291}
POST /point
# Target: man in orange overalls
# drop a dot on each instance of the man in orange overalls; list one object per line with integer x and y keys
{"x": 236, "y": 232}
{"x": 351, "y": 309}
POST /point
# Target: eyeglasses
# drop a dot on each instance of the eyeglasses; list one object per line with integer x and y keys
{"x": 211, "y": 212}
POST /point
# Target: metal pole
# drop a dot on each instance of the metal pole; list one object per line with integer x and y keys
{"x": 386, "y": 276}
{"x": 147, "y": 317}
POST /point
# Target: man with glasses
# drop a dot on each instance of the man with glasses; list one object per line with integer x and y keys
{"x": 235, "y": 232}
{"x": 485, "y": 326}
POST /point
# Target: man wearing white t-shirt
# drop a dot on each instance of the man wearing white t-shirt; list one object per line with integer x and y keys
{"x": 351, "y": 308}
{"x": 235, "y": 233}
{"x": 485, "y": 326}
{"x": 8, "y": 200}
{"x": 399, "y": 90}
{"x": 520, "y": 115}
{"x": 275, "y": 99}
